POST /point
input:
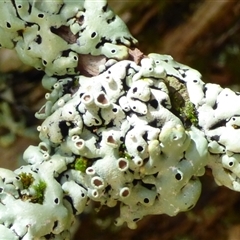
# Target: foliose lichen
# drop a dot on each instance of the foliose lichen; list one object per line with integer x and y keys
{"x": 36, "y": 29}
{"x": 118, "y": 137}
{"x": 140, "y": 152}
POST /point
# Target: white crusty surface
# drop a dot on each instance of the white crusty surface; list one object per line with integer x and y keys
{"x": 131, "y": 145}
{"x": 116, "y": 137}
{"x": 30, "y": 27}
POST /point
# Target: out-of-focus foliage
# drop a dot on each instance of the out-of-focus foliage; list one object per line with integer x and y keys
{"x": 19, "y": 98}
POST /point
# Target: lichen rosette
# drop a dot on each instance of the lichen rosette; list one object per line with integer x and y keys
{"x": 136, "y": 150}
{"x": 136, "y": 133}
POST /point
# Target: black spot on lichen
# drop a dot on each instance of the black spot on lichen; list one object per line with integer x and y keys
{"x": 93, "y": 35}
{"x": 215, "y": 138}
{"x": 178, "y": 176}
{"x": 140, "y": 148}
{"x": 221, "y": 123}
{"x": 111, "y": 20}
{"x": 134, "y": 90}
{"x": 104, "y": 8}
{"x": 146, "y": 200}
{"x": 136, "y": 219}
{"x": 190, "y": 207}
{"x": 55, "y": 224}
{"x": 64, "y": 127}
{"x": 145, "y": 136}
{"x": 69, "y": 199}
{"x": 50, "y": 236}
{"x": 102, "y": 42}
{"x": 8, "y": 25}
{"x": 40, "y": 15}
{"x": 38, "y": 39}
{"x": 230, "y": 164}
{"x": 80, "y": 19}
{"x": 154, "y": 103}
{"x": 215, "y": 106}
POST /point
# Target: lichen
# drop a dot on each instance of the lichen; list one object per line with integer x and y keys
{"x": 72, "y": 30}
{"x": 135, "y": 134}
{"x": 123, "y": 123}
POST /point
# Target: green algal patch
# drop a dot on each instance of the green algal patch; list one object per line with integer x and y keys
{"x": 39, "y": 192}
{"x": 80, "y": 164}
{"x": 27, "y": 181}
{"x": 188, "y": 112}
